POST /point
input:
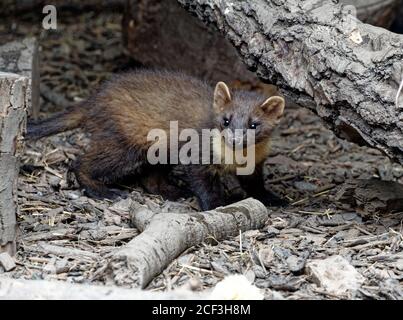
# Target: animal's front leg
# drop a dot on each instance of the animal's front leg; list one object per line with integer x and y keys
{"x": 232, "y": 188}
{"x": 255, "y": 187}
{"x": 205, "y": 185}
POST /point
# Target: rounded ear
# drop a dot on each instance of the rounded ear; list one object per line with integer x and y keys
{"x": 222, "y": 96}
{"x": 273, "y": 107}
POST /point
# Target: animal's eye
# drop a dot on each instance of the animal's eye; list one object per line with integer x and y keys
{"x": 253, "y": 125}
{"x": 226, "y": 122}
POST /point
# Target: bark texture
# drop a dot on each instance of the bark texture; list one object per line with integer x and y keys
{"x": 322, "y": 58}
{"x": 371, "y": 197}
{"x": 13, "y": 108}
{"x": 167, "y": 235}
{"x": 21, "y": 57}
{"x": 18, "y": 289}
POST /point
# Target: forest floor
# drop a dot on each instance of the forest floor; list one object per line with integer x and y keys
{"x": 67, "y": 236}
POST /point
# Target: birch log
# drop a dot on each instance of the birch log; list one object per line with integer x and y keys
{"x": 322, "y": 58}
{"x": 13, "y": 107}
{"x": 167, "y": 235}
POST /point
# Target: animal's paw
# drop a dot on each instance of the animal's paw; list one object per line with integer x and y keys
{"x": 273, "y": 200}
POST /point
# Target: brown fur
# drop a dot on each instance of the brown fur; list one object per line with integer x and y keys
{"x": 127, "y": 107}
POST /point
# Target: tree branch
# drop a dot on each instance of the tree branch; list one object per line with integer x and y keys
{"x": 167, "y": 235}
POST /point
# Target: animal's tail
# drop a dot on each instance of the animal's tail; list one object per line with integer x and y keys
{"x": 62, "y": 121}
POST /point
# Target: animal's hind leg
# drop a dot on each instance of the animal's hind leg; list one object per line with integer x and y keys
{"x": 106, "y": 164}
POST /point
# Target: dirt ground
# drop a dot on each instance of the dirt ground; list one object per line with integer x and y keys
{"x": 67, "y": 236}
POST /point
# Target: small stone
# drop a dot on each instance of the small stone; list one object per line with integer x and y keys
{"x": 250, "y": 275}
{"x": 50, "y": 266}
{"x": 335, "y": 275}
{"x": 259, "y": 272}
{"x": 305, "y": 186}
{"x": 61, "y": 266}
{"x": 122, "y": 205}
{"x": 266, "y": 255}
{"x": 73, "y": 195}
{"x": 272, "y": 232}
{"x": 7, "y": 262}
{"x": 281, "y": 253}
{"x": 194, "y": 284}
{"x": 54, "y": 181}
{"x": 295, "y": 264}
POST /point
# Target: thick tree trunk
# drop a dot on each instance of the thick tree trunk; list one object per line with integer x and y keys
{"x": 322, "y": 58}
{"x": 13, "y": 108}
{"x": 19, "y": 94}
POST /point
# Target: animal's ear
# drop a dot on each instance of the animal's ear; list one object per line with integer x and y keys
{"x": 273, "y": 107}
{"x": 222, "y": 97}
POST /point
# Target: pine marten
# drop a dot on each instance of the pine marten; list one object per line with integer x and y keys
{"x": 121, "y": 113}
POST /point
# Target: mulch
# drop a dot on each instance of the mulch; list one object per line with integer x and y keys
{"x": 66, "y": 236}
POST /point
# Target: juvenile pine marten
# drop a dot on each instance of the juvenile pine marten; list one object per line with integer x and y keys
{"x": 124, "y": 110}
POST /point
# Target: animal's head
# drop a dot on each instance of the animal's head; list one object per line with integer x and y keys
{"x": 245, "y": 110}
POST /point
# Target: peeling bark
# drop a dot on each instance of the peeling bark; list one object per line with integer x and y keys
{"x": 167, "y": 235}
{"x": 323, "y": 59}
{"x": 13, "y": 108}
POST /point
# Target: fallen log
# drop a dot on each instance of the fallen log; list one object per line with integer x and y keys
{"x": 18, "y": 289}
{"x": 166, "y": 235}
{"x": 322, "y": 58}
{"x": 13, "y": 108}
{"x": 161, "y": 33}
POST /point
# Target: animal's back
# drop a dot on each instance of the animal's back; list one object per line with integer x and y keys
{"x": 134, "y": 103}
